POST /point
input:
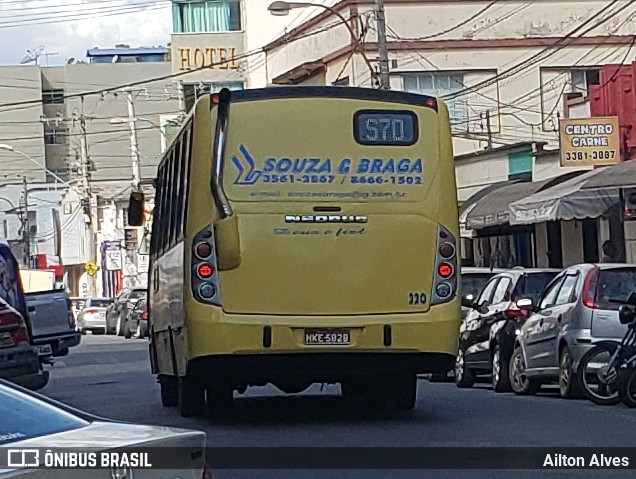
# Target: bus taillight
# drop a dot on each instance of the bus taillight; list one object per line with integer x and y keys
{"x": 205, "y": 287}
{"x": 445, "y": 276}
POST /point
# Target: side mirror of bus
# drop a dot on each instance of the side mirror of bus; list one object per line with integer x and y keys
{"x": 136, "y": 209}
{"x": 228, "y": 244}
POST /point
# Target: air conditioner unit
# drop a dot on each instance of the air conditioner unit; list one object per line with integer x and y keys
{"x": 629, "y": 201}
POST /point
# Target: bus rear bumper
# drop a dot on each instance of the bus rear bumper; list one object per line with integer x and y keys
{"x": 316, "y": 368}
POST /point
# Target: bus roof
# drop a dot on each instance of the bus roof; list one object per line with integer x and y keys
{"x": 354, "y": 93}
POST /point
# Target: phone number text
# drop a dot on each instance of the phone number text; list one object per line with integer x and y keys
{"x": 357, "y": 179}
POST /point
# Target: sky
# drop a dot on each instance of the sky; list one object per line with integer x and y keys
{"x": 70, "y": 27}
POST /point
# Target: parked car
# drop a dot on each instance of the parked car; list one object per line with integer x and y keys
{"x": 93, "y": 316}
{"x": 30, "y": 420}
{"x": 137, "y": 324}
{"x": 472, "y": 281}
{"x": 579, "y": 308}
{"x": 487, "y": 335}
{"x": 117, "y": 312}
{"x": 19, "y": 360}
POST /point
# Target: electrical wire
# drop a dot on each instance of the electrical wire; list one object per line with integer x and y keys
{"x": 546, "y": 52}
{"x": 448, "y": 30}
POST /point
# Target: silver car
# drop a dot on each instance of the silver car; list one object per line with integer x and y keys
{"x": 577, "y": 309}
{"x": 31, "y": 422}
{"x": 93, "y": 316}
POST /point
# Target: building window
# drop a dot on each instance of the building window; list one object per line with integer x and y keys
{"x": 5, "y": 229}
{"x": 581, "y": 79}
{"x": 192, "y": 92}
{"x": 202, "y": 17}
{"x": 53, "y": 97}
{"x": 438, "y": 84}
{"x": 55, "y": 135}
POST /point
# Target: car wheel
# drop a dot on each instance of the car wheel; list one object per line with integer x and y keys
{"x": 119, "y": 328}
{"x": 500, "y": 373}
{"x": 127, "y": 333}
{"x": 519, "y": 383}
{"x": 464, "y": 378}
{"x": 568, "y": 381}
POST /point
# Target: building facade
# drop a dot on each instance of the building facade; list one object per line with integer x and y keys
{"x": 508, "y": 72}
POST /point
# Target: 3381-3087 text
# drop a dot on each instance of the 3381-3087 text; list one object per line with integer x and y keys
{"x": 594, "y": 155}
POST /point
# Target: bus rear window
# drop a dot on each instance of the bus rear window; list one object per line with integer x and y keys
{"x": 385, "y": 127}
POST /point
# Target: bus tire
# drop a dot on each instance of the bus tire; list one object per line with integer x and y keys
{"x": 169, "y": 391}
{"x": 191, "y": 397}
{"x": 220, "y": 399}
{"x": 401, "y": 392}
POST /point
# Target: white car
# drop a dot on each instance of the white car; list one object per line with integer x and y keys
{"x": 28, "y": 420}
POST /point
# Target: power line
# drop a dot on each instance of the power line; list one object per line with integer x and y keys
{"x": 546, "y": 52}
{"x": 448, "y": 30}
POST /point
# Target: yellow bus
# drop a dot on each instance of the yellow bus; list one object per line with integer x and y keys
{"x": 304, "y": 235}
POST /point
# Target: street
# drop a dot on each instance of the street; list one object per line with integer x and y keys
{"x": 110, "y": 376}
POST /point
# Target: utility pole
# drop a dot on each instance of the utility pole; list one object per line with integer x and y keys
{"x": 383, "y": 52}
{"x": 89, "y": 229}
{"x": 134, "y": 145}
{"x": 26, "y": 227}
{"x": 131, "y": 240}
{"x": 489, "y": 129}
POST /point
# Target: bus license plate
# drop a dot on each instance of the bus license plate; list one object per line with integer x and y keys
{"x": 328, "y": 336}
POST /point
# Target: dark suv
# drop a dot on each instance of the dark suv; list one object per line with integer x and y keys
{"x": 488, "y": 333}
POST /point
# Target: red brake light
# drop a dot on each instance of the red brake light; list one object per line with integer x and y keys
{"x": 205, "y": 271}
{"x": 445, "y": 270}
{"x": 431, "y": 103}
{"x": 515, "y": 313}
{"x": 589, "y": 289}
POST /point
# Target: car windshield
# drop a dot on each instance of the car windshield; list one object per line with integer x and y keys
{"x": 23, "y": 417}
{"x": 100, "y": 303}
{"x": 79, "y": 304}
{"x": 137, "y": 294}
{"x": 473, "y": 283}
{"x": 614, "y": 287}
{"x": 531, "y": 285}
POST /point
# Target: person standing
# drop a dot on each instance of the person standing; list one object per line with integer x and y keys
{"x": 610, "y": 254}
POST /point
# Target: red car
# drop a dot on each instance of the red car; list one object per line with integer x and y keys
{"x": 19, "y": 361}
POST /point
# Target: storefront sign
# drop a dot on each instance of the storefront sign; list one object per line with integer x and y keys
{"x": 590, "y": 141}
{"x": 221, "y": 58}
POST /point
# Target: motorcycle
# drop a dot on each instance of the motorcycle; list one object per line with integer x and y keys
{"x": 608, "y": 381}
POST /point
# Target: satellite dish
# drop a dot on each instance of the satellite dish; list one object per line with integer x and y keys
{"x": 32, "y": 55}
{"x": 70, "y": 61}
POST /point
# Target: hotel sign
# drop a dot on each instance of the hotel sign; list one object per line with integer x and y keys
{"x": 590, "y": 141}
{"x": 212, "y": 57}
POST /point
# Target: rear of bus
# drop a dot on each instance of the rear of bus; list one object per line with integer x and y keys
{"x": 333, "y": 228}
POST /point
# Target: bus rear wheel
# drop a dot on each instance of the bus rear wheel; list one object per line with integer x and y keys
{"x": 191, "y": 397}
{"x": 169, "y": 391}
{"x": 401, "y": 392}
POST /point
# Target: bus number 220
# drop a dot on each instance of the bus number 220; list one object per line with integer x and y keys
{"x": 416, "y": 298}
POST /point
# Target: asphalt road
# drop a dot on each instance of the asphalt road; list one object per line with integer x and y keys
{"x": 111, "y": 377}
